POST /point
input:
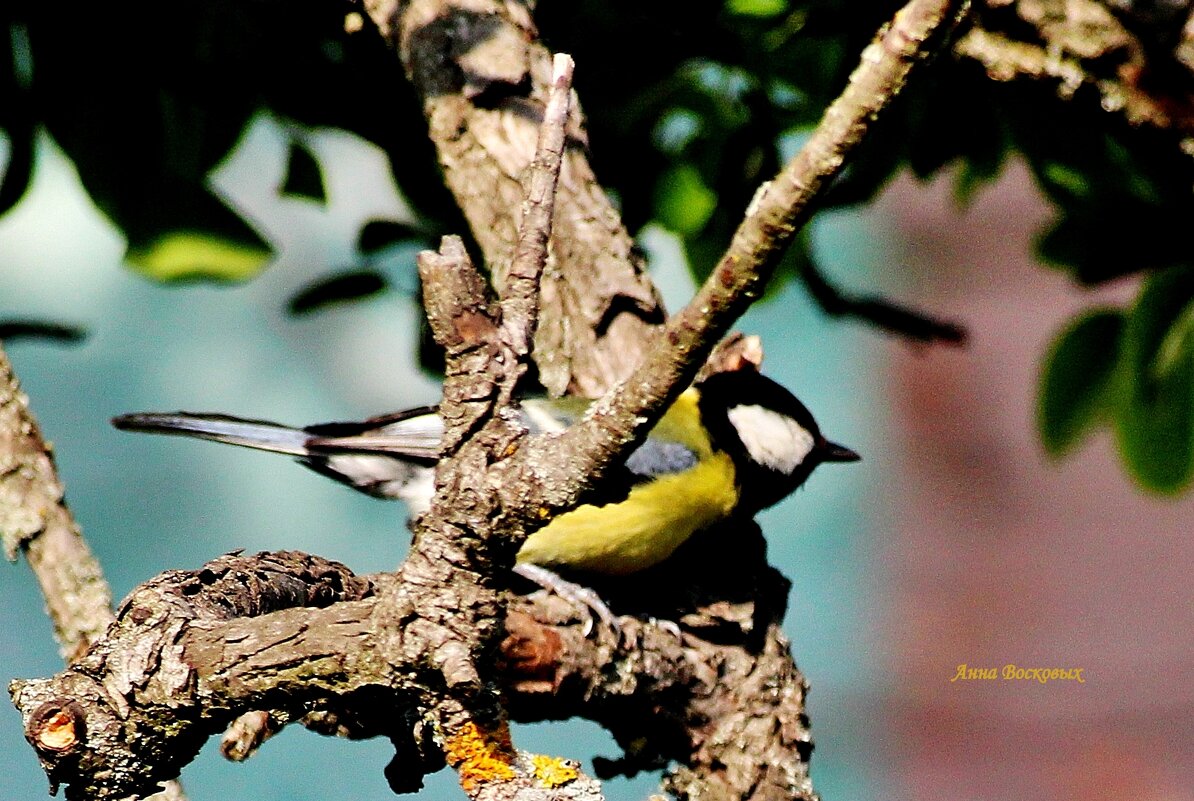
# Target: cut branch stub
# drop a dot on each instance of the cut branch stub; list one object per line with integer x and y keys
{"x": 57, "y": 726}
{"x": 180, "y": 662}
{"x": 463, "y": 320}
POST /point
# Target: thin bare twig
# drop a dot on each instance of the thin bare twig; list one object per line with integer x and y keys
{"x": 520, "y": 295}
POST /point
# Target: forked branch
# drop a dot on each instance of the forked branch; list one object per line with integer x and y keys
{"x": 423, "y": 638}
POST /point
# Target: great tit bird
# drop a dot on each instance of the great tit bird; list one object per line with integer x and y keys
{"x": 733, "y": 444}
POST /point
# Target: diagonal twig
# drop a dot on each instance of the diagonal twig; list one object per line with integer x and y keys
{"x": 780, "y": 208}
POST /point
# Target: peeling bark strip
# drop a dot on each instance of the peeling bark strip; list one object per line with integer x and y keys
{"x": 484, "y": 81}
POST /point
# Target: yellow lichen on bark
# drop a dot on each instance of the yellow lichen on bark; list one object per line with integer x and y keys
{"x": 552, "y": 772}
{"x": 481, "y": 755}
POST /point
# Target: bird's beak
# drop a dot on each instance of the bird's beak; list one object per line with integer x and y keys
{"x": 832, "y": 452}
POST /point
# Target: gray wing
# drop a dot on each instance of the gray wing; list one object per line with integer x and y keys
{"x": 655, "y": 458}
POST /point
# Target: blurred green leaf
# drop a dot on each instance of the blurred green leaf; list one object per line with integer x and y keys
{"x": 1077, "y": 378}
{"x": 341, "y": 288}
{"x": 1155, "y": 420}
{"x": 756, "y": 8}
{"x": 304, "y": 176}
{"x": 1164, "y": 300}
{"x": 1174, "y": 345}
{"x": 682, "y": 200}
{"x": 1134, "y": 176}
{"x": 972, "y": 175}
{"x": 1064, "y": 179}
{"x": 197, "y": 255}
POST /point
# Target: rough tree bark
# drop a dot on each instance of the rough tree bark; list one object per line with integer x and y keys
{"x": 482, "y": 76}
{"x": 412, "y": 655}
{"x": 1139, "y": 57}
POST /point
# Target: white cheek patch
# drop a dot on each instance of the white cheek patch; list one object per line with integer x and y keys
{"x": 773, "y": 440}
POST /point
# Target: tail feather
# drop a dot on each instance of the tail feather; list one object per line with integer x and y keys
{"x": 259, "y": 434}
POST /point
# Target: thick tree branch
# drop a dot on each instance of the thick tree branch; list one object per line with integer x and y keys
{"x": 484, "y": 81}
{"x": 303, "y": 636}
{"x": 192, "y": 650}
{"x": 139, "y": 705}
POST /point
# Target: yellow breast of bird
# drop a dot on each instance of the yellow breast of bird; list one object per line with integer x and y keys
{"x": 654, "y": 519}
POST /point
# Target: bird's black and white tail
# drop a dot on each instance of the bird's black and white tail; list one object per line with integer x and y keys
{"x": 260, "y": 434}
{"x": 389, "y": 457}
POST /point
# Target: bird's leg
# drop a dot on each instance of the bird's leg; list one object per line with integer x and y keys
{"x": 575, "y": 594}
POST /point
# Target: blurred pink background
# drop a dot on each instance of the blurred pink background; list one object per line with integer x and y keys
{"x": 997, "y": 555}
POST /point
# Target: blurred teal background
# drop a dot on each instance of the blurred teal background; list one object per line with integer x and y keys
{"x": 149, "y": 504}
